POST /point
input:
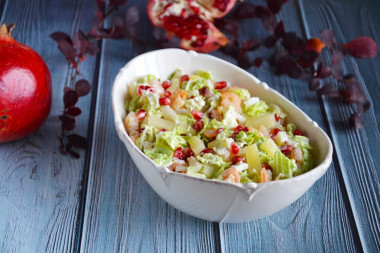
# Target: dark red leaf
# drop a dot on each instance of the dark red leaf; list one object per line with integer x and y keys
{"x": 73, "y": 111}
{"x": 68, "y": 51}
{"x": 276, "y": 56}
{"x": 74, "y": 154}
{"x": 84, "y": 45}
{"x": 258, "y": 62}
{"x": 228, "y": 26}
{"x": 100, "y": 4}
{"x": 337, "y": 55}
{"x": 292, "y": 68}
{"x": 269, "y": 22}
{"x": 337, "y": 71}
{"x": 362, "y": 47}
{"x": 67, "y": 89}
{"x": 323, "y": 71}
{"x": 98, "y": 32}
{"x": 117, "y": 2}
{"x": 244, "y": 61}
{"x": 308, "y": 57}
{"x": 100, "y": 16}
{"x": 232, "y": 48}
{"x": 270, "y": 41}
{"x": 314, "y": 84}
{"x": 348, "y": 78}
{"x": 355, "y": 121}
{"x": 70, "y": 98}
{"x": 82, "y": 87}
{"x": 279, "y": 31}
{"x": 263, "y": 12}
{"x": 327, "y": 37}
{"x": 77, "y": 141}
{"x": 275, "y": 5}
{"x": 329, "y": 90}
{"x": 363, "y": 106}
{"x": 251, "y": 44}
{"x": 244, "y": 11}
{"x": 293, "y": 43}
{"x": 119, "y": 28}
{"x": 68, "y": 123}
{"x": 57, "y": 36}
{"x": 159, "y": 34}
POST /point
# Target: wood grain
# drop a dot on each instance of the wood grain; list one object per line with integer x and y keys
{"x": 39, "y": 187}
{"x": 357, "y": 150}
{"x": 122, "y": 212}
{"x": 319, "y": 220}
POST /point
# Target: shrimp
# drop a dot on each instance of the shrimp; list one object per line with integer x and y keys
{"x": 131, "y": 122}
{"x": 134, "y": 135}
{"x": 265, "y": 175}
{"x": 231, "y": 98}
{"x": 297, "y": 155}
{"x": 210, "y": 133}
{"x": 215, "y": 115}
{"x": 231, "y": 175}
{"x": 178, "y": 99}
{"x": 179, "y": 166}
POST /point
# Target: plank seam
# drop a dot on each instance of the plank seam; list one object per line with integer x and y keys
{"x": 346, "y": 200}
{"x": 3, "y": 7}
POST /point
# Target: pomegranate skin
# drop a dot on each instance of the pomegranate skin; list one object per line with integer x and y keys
{"x": 25, "y": 89}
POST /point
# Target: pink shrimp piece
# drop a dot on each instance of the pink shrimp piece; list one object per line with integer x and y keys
{"x": 131, "y": 122}
{"x": 231, "y": 175}
{"x": 178, "y": 99}
{"x": 265, "y": 175}
{"x": 210, "y": 133}
{"x": 231, "y": 98}
{"x": 297, "y": 155}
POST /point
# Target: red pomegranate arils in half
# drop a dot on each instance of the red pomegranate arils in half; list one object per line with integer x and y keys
{"x": 275, "y": 131}
{"x": 141, "y": 114}
{"x": 164, "y": 101}
{"x": 142, "y": 87}
{"x": 184, "y": 78}
{"x": 167, "y": 94}
{"x": 166, "y": 84}
{"x": 198, "y": 125}
{"x": 297, "y": 132}
{"x": 189, "y": 152}
{"x": 179, "y": 153}
{"x": 220, "y": 85}
{"x": 234, "y": 148}
{"x": 267, "y": 166}
{"x": 276, "y": 117}
{"x": 286, "y": 149}
{"x": 207, "y": 150}
{"x": 237, "y": 159}
{"x": 205, "y": 92}
{"x": 197, "y": 115}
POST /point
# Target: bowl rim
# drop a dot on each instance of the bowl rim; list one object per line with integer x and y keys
{"x": 248, "y": 187}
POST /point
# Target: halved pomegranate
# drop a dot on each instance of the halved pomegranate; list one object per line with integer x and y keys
{"x": 191, "y": 21}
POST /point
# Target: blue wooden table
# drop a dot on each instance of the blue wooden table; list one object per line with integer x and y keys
{"x": 100, "y": 203}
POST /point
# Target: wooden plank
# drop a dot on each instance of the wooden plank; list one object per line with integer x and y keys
{"x": 319, "y": 221}
{"x": 39, "y": 187}
{"x": 357, "y": 150}
{"x": 122, "y": 212}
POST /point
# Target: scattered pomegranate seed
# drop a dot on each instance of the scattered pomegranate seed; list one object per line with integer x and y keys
{"x": 237, "y": 159}
{"x": 166, "y": 84}
{"x": 286, "y": 149}
{"x": 220, "y": 85}
{"x": 275, "y": 131}
{"x": 142, "y": 87}
{"x": 184, "y": 78}
{"x": 163, "y": 130}
{"x": 207, "y": 150}
{"x": 167, "y": 94}
{"x": 197, "y": 115}
{"x": 234, "y": 148}
{"x": 198, "y": 125}
{"x": 205, "y": 92}
{"x": 267, "y": 166}
{"x": 141, "y": 114}
{"x": 276, "y": 117}
{"x": 239, "y": 128}
{"x": 153, "y": 90}
{"x": 297, "y": 132}
{"x": 141, "y": 130}
{"x": 164, "y": 101}
{"x": 219, "y": 130}
{"x": 191, "y": 97}
{"x": 189, "y": 152}
{"x": 179, "y": 153}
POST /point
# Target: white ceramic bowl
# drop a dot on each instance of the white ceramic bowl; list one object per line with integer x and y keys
{"x": 208, "y": 199}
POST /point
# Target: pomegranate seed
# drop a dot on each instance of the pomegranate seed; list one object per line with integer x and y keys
{"x": 219, "y": 130}
{"x": 141, "y": 130}
{"x": 164, "y": 101}
{"x": 237, "y": 159}
{"x": 207, "y": 150}
{"x": 142, "y": 87}
{"x": 166, "y": 84}
{"x": 205, "y": 92}
{"x": 179, "y": 153}
{"x": 297, "y": 132}
{"x": 275, "y": 131}
{"x": 192, "y": 97}
{"x": 220, "y": 85}
{"x": 184, "y": 78}
{"x": 239, "y": 128}
{"x": 267, "y": 166}
{"x": 234, "y": 148}
{"x": 189, "y": 152}
{"x": 167, "y": 94}
{"x": 141, "y": 114}
{"x": 286, "y": 149}
{"x": 276, "y": 117}
{"x": 153, "y": 90}
{"x": 163, "y": 130}
{"x": 197, "y": 115}
{"x": 198, "y": 125}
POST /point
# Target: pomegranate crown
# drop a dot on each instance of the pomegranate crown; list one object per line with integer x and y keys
{"x": 6, "y": 30}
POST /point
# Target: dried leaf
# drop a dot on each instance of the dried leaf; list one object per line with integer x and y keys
{"x": 308, "y": 57}
{"x": 323, "y": 71}
{"x": 330, "y": 90}
{"x": 362, "y": 47}
{"x": 270, "y": 41}
{"x": 82, "y": 87}
{"x": 74, "y": 154}
{"x": 68, "y": 51}
{"x": 57, "y": 36}
{"x": 244, "y": 11}
{"x": 77, "y": 141}
{"x": 337, "y": 55}
{"x": 70, "y": 98}
{"x": 73, "y": 111}
{"x": 117, "y": 2}
{"x": 251, "y": 44}
{"x": 279, "y": 31}
{"x": 68, "y": 123}
{"x": 244, "y": 61}
{"x": 327, "y": 37}
{"x": 314, "y": 84}
{"x": 84, "y": 45}
{"x": 355, "y": 121}
{"x": 275, "y": 5}
{"x": 315, "y": 44}
{"x": 337, "y": 71}
{"x": 119, "y": 29}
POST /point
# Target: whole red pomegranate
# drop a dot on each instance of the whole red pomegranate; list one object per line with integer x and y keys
{"x": 191, "y": 21}
{"x": 25, "y": 88}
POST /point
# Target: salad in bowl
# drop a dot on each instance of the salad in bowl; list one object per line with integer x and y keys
{"x": 206, "y": 128}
